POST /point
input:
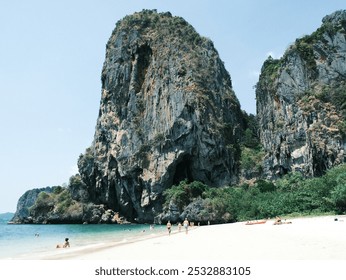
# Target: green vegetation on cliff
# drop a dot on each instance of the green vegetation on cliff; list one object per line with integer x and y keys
{"x": 184, "y": 193}
{"x": 252, "y": 153}
{"x": 292, "y": 194}
{"x": 58, "y": 202}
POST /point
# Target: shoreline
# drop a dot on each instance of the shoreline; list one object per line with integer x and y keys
{"x": 306, "y": 238}
{"x": 75, "y": 250}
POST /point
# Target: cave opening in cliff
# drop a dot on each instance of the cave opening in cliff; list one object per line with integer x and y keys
{"x": 183, "y": 170}
{"x": 144, "y": 54}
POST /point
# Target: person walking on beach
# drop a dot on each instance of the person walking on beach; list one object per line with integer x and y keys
{"x": 186, "y": 225}
{"x": 169, "y": 227}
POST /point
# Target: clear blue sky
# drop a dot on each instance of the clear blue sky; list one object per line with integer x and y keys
{"x": 51, "y": 55}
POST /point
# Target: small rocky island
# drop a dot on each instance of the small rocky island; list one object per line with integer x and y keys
{"x": 168, "y": 114}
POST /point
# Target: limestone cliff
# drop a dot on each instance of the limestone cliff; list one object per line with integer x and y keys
{"x": 167, "y": 113}
{"x": 62, "y": 205}
{"x": 301, "y": 102}
{"x": 25, "y": 202}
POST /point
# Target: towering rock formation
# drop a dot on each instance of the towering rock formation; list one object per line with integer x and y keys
{"x": 167, "y": 113}
{"x": 301, "y": 102}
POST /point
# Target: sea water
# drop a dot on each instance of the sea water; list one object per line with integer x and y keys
{"x": 17, "y": 241}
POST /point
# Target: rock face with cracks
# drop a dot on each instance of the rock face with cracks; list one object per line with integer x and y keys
{"x": 167, "y": 113}
{"x": 301, "y": 103}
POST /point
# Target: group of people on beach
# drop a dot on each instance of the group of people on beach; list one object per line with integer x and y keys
{"x": 278, "y": 221}
{"x": 186, "y": 225}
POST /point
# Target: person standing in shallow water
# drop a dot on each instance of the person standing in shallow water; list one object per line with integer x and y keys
{"x": 169, "y": 227}
{"x": 186, "y": 225}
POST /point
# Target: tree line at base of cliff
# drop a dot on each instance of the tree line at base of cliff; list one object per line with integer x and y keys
{"x": 291, "y": 195}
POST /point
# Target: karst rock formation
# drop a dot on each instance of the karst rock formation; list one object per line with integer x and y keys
{"x": 167, "y": 113}
{"x": 301, "y": 103}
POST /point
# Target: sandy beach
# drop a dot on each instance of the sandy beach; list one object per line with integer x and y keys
{"x": 318, "y": 238}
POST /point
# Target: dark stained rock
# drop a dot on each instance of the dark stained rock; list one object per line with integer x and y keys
{"x": 167, "y": 113}
{"x": 198, "y": 212}
{"x": 301, "y": 103}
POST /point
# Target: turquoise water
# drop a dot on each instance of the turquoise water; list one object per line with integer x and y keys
{"x": 20, "y": 240}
